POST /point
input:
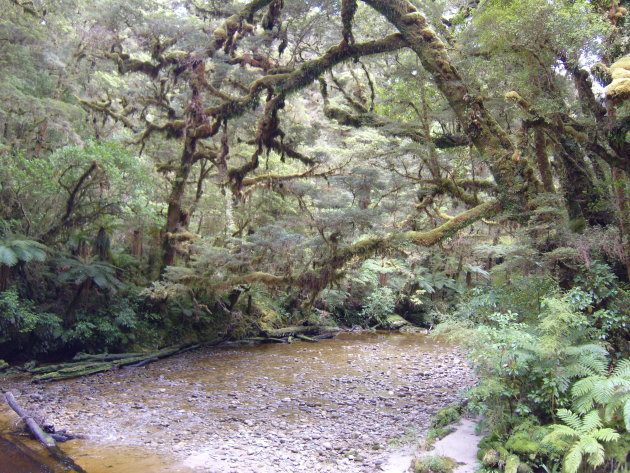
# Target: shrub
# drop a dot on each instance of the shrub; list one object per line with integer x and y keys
{"x": 434, "y": 464}
{"x": 378, "y": 306}
{"x": 24, "y": 329}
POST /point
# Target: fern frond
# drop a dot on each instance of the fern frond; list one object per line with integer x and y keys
{"x": 590, "y": 422}
{"x": 594, "y": 449}
{"x": 561, "y": 432}
{"x": 605, "y": 435}
{"x": 622, "y": 370}
{"x": 583, "y": 404}
{"x": 571, "y": 419}
{"x": 572, "y": 459}
{"x": 585, "y": 386}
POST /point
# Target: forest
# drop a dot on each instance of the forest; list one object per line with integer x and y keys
{"x": 178, "y": 172}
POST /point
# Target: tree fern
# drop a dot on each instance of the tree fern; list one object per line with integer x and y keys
{"x": 84, "y": 270}
{"x": 14, "y": 250}
{"x": 585, "y": 435}
{"x": 612, "y": 392}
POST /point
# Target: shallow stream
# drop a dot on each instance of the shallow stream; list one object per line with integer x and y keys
{"x": 348, "y": 404}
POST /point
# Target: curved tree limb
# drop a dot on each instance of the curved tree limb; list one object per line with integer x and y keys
{"x": 513, "y": 175}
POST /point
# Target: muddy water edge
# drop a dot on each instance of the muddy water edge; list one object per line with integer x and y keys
{"x": 348, "y": 404}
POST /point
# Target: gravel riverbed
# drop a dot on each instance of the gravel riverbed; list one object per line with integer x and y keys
{"x": 350, "y": 404}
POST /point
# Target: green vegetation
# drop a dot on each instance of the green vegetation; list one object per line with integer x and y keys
{"x": 442, "y": 423}
{"x": 434, "y": 464}
{"x": 552, "y": 380}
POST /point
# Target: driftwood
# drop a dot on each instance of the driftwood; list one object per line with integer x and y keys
{"x": 84, "y": 365}
{"x": 45, "y": 439}
{"x": 33, "y": 426}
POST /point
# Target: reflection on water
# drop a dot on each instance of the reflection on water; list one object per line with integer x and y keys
{"x": 16, "y": 460}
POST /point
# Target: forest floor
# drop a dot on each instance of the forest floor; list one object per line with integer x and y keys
{"x": 357, "y": 403}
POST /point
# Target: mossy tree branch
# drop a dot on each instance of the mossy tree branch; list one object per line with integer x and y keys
{"x": 330, "y": 269}
{"x": 514, "y": 176}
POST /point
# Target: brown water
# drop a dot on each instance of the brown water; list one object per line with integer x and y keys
{"x": 343, "y": 404}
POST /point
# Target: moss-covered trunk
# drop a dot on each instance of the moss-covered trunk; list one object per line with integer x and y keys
{"x": 580, "y": 186}
{"x": 513, "y": 175}
{"x": 620, "y": 183}
{"x": 176, "y": 217}
{"x": 542, "y": 160}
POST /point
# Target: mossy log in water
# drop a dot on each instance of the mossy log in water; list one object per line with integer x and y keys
{"x": 265, "y": 340}
{"x": 293, "y": 333}
{"x": 305, "y": 338}
{"x": 84, "y": 365}
{"x": 301, "y": 330}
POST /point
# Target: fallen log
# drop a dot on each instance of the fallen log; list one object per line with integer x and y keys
{"x": 85, "y": 365}
{"x": 105, "y": 356}
{"x": 305, "y": 338}
{"x": 139, "y": 363}
{"x": 33, "y": 426}
{"x": 45, "y": 439}
{"x": 265, "y": 340}
{"x": 301, "y": 330}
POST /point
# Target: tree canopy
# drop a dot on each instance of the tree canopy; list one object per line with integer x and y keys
{"x": 207, "y": 148}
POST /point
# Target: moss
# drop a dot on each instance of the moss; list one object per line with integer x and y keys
{"x": 395, "y": 321}
{"x": 522, "y": 443}
{"x": 619, "y": 88}
{"x": 414, "y": 17}
{"x": 434, "y": 464}
{"x": 436, "y": 433}
{"x": 512, "y": 464}
{"x": 491, "y": 441}
{"x": 491, "y": 458}
{"x": 3, "y": 365}
{"x": 446, "y": 416}
{"x": 620, "y": 67}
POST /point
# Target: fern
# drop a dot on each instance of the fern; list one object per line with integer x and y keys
{"x": 83, "y": 270}
{"x": 586, "y": 434}
{"x": 14, "y": 250}
{"x": 612, "y": 392}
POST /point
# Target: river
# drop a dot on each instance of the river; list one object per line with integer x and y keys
{"x": 354, "y": 403}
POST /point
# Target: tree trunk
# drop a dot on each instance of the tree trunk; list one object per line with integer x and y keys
{"x": 136, "y": 244}
{"x": 580, "y": 187}
{"x": 620, "y": 183}
{"x": 515, "y": 178}
{"x": 542, "y": 160}
{"x": 4, "y": 277}
{"x": 176, "y": 218}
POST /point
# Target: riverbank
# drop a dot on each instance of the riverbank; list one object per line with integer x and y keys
{"x": 340, "y": 405}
